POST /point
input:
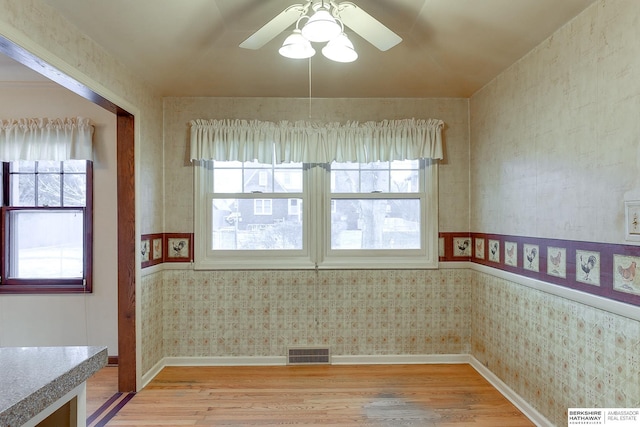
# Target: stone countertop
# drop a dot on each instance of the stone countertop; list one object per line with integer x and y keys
{"x": 33, "y": 378}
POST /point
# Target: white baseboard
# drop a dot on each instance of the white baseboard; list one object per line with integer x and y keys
{"x": 529, "y": 411}
{"x": 226, "y": 361}
{"x": 151, "y": 374}
{"x": 401, "y": 359}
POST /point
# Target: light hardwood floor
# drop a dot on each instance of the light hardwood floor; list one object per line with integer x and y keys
{"x": 371, "y": 395}
{"x": 100, "y": 387}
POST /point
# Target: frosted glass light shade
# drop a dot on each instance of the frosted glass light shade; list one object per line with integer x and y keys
{"x": 340, "y": 49}
{"x": 321, "y": 27}
{"x": 296, "y": 46}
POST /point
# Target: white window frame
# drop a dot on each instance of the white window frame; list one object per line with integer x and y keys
{"x": 208, "y": 259}
{"x": 316, "y": 217}
{"x": 425, "y": 257}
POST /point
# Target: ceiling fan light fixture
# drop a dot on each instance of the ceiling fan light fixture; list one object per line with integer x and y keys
{"x": 340, "y": 49}
{"x": 295, "y": 46}
{"x": 321, "y": 27}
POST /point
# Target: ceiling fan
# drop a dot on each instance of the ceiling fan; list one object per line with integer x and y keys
{"x": 325, "y": 22}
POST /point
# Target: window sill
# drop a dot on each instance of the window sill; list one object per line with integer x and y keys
{"x": 36, "y": 289}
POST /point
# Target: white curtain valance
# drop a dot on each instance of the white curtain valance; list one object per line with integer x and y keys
{"x": 46, "y": 139}
{"x": 310, "y": 142}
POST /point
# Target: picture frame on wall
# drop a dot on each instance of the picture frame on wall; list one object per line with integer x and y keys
{"x": 479, "y": 248}
{"x": 151, "y": 249}
{"x": 178, "y": 247}
{"x": 557, "y": 262}
{"x": 531, "y": 257}
{"x": 156, "y": 249}
{"x": 511, "y": 254}
{"x": 494, "y": 250}
{"x": 145, "y": 250}
{"x": 461, "y": 246}
{"x": 588, "y": 267}
{"x": 624, "y": 274}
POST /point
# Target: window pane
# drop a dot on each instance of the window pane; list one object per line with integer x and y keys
{"x": 375, "y": 224}
{"x": 49, "y": 166}
{"x": 38, "y": 183}
{"x": 258, "y": 180}
{"x": 23, "y": 190}
{"x": 74, "y": 191}
{"x": 246, "y": 224}
{"x": 288, "y": 180}
{"x": 227, "y": 180}
{"x": 46, "y": 244}
{"x": 75, "y": 166}
{"x": 405, "y": 176}
{"x": 254, "y": 177}
{"x": 395, "y": 177}
{"x": 23, "y": 166}
{"x": 48, "y": 190}
{"x": 374, "y": 181}
{"x": 345, "y": 181}
{"x": 405, "y": 181}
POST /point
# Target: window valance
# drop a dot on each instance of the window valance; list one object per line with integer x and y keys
{"x": 46, "y": 139}
{"x": 310, "y": 142}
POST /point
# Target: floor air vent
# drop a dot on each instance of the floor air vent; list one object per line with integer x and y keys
{"x": 308, "y": 356}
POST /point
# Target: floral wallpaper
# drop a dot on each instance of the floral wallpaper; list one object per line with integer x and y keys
{"x": 262, "y": 313}
{"x": 151, "y": 320}
{"x": 555, "y": 353}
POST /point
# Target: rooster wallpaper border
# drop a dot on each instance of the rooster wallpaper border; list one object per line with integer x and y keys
{"x": 178, "y": 247}
{"x": 150, "y": 251}
{"x": 603, "y": 269}
{"x": 614, "y": 264}
{"x": 160, "y": 251}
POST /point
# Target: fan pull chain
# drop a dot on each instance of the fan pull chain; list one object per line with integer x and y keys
{"x": 309, "y": 87}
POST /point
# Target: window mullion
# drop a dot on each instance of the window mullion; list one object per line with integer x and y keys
{"x": 317, "y": 190}
{"x": 61, "y": 184}
{"x": 35, "y": 184}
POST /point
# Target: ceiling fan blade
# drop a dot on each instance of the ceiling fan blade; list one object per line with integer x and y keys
{"x": 368, "y": 27}
{"x": 274, "y": 27}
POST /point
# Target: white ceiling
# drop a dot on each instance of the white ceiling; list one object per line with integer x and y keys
{"x": 450, "y": 48}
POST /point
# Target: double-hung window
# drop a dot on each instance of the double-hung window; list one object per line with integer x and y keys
{"x": 247, "y": 213}
{"x": 47, "y": 198}
{"x": 309, "y": 214}
{"x": 46, "y": 217}
{"x": 380, "y": 213}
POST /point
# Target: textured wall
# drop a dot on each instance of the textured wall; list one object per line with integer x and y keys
{"x": 65, "y": 319}
{"x": 555, "y": 353}
{"x": 262, "y": 313}
{"x": 151, "y": 320}
{"x": 554, "y": 139}
{"x": 454, "y": 169}
{"x": 35, "y": 26}
{"x": 554, "y": 154}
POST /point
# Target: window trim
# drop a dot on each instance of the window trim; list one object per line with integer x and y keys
{"x": 47, "y": 286}
{"x": 316, "y": 199}
{"x": 426, "y": 257}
